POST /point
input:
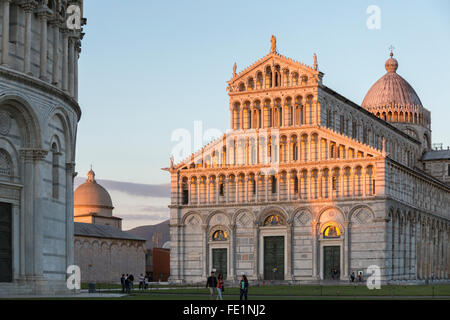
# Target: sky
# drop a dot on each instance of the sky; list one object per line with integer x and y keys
{"x": 150, "y": 68}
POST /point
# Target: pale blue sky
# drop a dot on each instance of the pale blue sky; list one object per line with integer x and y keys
{"x": 150, "y": 67}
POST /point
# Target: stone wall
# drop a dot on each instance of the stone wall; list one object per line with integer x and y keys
{"x": 103, "y": 260}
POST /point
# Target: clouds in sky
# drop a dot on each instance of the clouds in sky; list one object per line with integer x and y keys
{"x": 137, "y": 204}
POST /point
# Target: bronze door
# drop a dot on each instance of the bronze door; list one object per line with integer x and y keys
{"x": 274, "y": 258}
{"x": 331, "y": 262}
{"x": 219, "y": 258}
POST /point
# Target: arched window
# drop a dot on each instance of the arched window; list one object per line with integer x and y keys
{"x": 295, "y": 184}
{"x": 332, "y": 232}
{"x": 220, "y": 235}
{"x": 5, "y": 164}
{"x": 55, "y": 171}
{"x": 185, "y": 191}
{"x": 273, "y": 220}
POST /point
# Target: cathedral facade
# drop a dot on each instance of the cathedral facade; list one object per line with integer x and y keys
{"x": 39, "y": 114}
{"x": 309, "y": 186}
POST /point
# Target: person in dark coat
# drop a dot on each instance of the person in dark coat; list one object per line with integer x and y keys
{"x": 122, "y": 282}
{"x": 130, "y": 282}
{"x": 243, "y": 287}
{"x": 211, "y": 283}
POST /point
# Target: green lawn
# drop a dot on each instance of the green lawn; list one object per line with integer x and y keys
{"x": 300, "y": 291}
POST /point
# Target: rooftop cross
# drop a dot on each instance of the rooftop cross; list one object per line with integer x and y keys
{"x": 391, "y": 48}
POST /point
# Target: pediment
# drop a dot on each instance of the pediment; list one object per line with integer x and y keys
{"x": 274, "y": 61}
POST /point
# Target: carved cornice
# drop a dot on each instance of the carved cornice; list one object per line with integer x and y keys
{"x": 28, "y": 5}
{"x": 70, "y": 166}
{"x": 34, "y": 82}
{"x": 33, "y": 154}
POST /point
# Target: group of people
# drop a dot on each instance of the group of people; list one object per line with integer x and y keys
{"x": 359, "y": 278}
{"x": 214, "y": 284}
{"x": 127, "y": 282}
{"x": 334, "y": 274}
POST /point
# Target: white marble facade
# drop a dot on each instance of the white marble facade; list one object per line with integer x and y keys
{"x": 39, "y": 113}
{"x": 302, "y": 154}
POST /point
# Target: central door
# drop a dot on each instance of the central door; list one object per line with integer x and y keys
{"x": 274, "y": 258}
{"x": 332, "y": 262}
{"x": 219, "y": 258}
{"x": 5, "y": 242}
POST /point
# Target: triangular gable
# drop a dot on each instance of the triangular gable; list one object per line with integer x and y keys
{"x": 279, "y": 59}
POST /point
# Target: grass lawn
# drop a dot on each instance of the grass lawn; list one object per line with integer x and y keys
{"x": 300, "y": 292}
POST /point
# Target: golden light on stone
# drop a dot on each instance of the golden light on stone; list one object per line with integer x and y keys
{"x": 220, "y": 235}
{"x": 332, "y": 231}
{"x": 273, "y": 220}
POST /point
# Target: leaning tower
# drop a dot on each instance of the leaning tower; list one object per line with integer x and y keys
{"x": 40, "y": 46}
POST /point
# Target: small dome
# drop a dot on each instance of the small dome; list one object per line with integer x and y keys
{"x": 91, "y": 194}
{"x": 391, "y": 90}
{"x": 391, "y": 64}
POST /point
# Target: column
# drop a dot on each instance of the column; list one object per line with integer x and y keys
{"x": 273, "y": 78}
{"x": 71, "y": 58}
{"x": 236, "y": 189}
{"x": 18, "y": 242}
{"x": 256, "y": 251}
{"x": 55, "y": 25}
{"x": 5, "y": 32}
{"x": 266, "y": 116}
{"x": 43, "y": 44}
{"x": 75, "y": 71}
{"x": 217, "y": 189}
{"x": 231, "y": 275}
{"x": 289, "y": 271}
{"x": 205, "y": 251}
{"x": 32, "y": 159}
{"x": 181, "y": 250}
{"x": 65, "y": 59}
{"x": 227, "y": 181}
{"x": 28, "y": 8}
{"x": 266, "y": 178}
{"x": 315, "y": 256}
{"x": 346, "y": 251}
{"x": 70, "y": 175}
{"x": 278, "y": 186}
{"x": 198, "y": 190}
{"x": 209, "y": 183}
{"x": 189, "y": 193}
{"x": 256, "y": 187}
{"x": 289, "y": 177}
{"x": 246, "y": 182}
{"x": 308, "y": 178}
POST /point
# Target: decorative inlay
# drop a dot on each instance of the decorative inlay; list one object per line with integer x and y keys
{"x": 5, "y": 123}
{"x": 302, "y": 218}
{"x": 5, "y": 164}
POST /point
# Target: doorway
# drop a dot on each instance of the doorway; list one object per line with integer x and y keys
{"x": 274, "y": 258}
{"x": 331, "y": 262}
{"x": 5, "y": 242}
{"x": 219, "y": 262}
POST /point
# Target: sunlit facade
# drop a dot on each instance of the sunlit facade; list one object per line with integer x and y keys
{"x": 308, "y": 182}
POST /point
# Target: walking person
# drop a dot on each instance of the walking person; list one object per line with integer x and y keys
{"x": 146, "y": 283}
{"x": 352, "y": 276}
{"x": 243, "y": 286}
{"x": 122, "y": 282}
{"x": 141, "y": 282}
{"x": 220, "y": 287}
{"x": 127, "y": 283}
{"x": 130, "y": 282}
{"x": 211, "y": 283}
